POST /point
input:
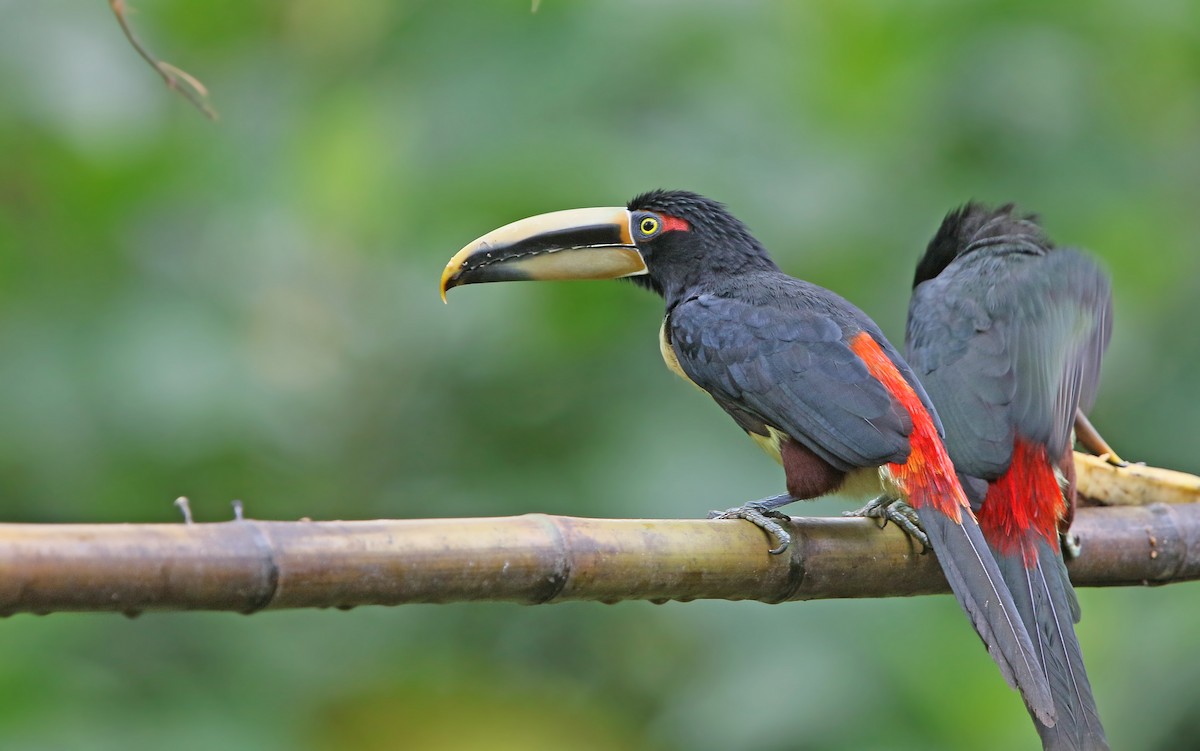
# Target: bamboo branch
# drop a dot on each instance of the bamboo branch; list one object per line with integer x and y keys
{"x": 251, "y": 565}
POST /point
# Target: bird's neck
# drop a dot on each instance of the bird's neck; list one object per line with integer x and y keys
{"x": 687, "y": 280}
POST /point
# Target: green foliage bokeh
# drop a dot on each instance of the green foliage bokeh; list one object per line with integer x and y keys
{"x": 249, "y": 310}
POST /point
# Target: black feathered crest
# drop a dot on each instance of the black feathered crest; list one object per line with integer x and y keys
{"x": 975, "y": 226}
{"x": 705, "y": 215}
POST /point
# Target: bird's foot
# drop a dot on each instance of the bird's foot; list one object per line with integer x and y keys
{"x": 896, "y": 511}
{"x": 1112, "y": 458}
{"x": 764, "y": 515}
{"x": 1090, "y": 439}
{"x": 1071, "y": 546}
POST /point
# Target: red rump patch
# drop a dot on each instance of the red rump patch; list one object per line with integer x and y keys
{"x": 674, "y": 223}
{"x": 1023, "y": 503}
{"x": 927, "y": 478}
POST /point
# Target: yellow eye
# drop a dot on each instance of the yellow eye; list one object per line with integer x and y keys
{"x": 649, "y": 225}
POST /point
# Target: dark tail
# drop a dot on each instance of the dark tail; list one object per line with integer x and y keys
{"x": 1048, "y": 607}
{"x": 980, "y": 588}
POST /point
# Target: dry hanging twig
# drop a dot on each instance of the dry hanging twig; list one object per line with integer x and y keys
{"x": 188, "y": 86}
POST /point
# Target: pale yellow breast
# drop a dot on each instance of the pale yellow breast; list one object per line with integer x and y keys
{"x": 771, "y": 443}
{"x": 669, "y": 356}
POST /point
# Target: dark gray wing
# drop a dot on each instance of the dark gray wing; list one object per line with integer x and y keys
{"x": 1065, "y": 325}
{"x": 1008, "y": 339}
{"x": 790, "y": 366}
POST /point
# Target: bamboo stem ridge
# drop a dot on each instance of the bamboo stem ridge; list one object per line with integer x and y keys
{"x": 250, "y": 565}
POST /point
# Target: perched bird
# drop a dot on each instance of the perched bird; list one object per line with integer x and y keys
{"x": 805, "y": 373}
{"x": 1006, "y": 332}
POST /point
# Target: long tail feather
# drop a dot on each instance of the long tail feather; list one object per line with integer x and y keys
{"x": 1048, "y": 607}
{"x": 980, "y": 588}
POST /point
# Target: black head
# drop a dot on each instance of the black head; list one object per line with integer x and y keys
{"x": 690, "y": 238}
{"x": 973, "y": 227}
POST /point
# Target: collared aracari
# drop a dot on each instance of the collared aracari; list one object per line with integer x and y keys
{"x": 1006, "y": 332}
{"x": 805, "y": 373}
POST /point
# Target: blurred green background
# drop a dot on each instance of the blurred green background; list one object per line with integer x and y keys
{"x": 248, "y": 309}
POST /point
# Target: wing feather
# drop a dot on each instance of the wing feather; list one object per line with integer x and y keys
{"x": 792, "y": 369}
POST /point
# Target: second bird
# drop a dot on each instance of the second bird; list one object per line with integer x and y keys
{"x": 1006, "y": 332}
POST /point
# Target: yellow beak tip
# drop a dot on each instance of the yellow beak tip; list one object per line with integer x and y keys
{"x": 447, "y": 280}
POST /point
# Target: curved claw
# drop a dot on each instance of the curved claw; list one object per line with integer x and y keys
{"x": 1112, "y": 458}
{"x": 764, "y": 519}
{"x": 1090, "y": 439}
{"x": 899, "y": 513}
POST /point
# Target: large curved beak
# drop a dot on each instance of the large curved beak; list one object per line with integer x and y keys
{"x": 574, "y": 244}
